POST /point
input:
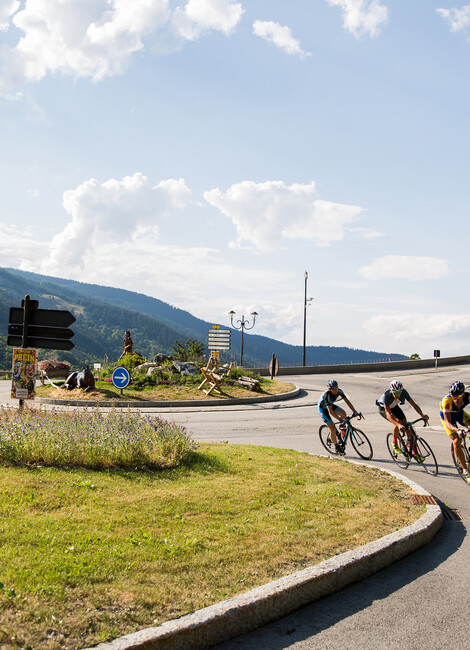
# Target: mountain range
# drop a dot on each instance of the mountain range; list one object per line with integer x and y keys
{"x": 103, "y": 314}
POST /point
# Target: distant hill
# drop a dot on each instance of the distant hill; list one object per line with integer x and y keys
{"x": 104, "y": 313}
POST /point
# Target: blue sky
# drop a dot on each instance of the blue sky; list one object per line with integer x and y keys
{"x": 209, "y": 152}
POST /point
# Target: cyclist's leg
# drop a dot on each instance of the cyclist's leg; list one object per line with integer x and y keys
{"x": 340, "y": 413}
{"x": 458, "y": 451}
{"x": 325, "y": 415}
{"x": 397, "y": 413}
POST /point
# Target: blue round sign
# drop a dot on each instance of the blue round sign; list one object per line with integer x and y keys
{"x": 121, "y": 377}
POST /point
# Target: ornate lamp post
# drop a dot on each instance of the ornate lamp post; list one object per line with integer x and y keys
{"x": 306, "y": 301}
{"x": 244, "y": 325}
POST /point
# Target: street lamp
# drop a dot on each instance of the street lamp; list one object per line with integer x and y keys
{"x": 244, "y": 325}
{"x": 306, "y": 300}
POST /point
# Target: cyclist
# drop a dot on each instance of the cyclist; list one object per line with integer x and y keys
{"x": 327, "y": 408}
{"x": 389, "y": 409}
{"x": 452, "y": 414}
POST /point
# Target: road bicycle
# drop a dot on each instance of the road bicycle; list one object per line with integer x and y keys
{"x": 346, "y": 432}
{"x": 464, "y": 442}
{"x": 414, "y": 447}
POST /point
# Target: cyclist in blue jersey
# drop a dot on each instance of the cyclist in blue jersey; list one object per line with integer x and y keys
{"x": 389, "y": 409}
{"x": 328, "y": 409}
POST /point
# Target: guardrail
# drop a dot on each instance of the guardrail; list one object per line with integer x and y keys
{"x": 368, "y": 367}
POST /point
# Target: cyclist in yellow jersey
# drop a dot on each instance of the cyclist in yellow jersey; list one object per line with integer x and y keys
{"x": 452, "y": 414}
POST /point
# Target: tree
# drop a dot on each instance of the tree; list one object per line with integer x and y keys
{"x": 415, "y": 357}
{"x": 192, "y": 350}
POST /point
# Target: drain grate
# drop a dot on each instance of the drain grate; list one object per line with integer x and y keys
{"x": 418, "y": 499}
{"x": 450, "y": 514}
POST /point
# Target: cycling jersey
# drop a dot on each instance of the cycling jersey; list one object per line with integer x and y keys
{"x": 390, "y": 401}
{"x": 457, "y": 414}
{"x": 328, "y": 398}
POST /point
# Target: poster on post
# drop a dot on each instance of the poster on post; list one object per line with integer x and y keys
{"x": 23, "y": 376}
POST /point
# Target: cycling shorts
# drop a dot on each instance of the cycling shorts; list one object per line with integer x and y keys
{"x": 396, "y": 411}
{"x": 463, "y": 420}
{"x": 325, "y": 414}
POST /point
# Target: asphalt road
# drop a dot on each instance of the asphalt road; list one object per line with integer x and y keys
{"x": 419, "y": 602}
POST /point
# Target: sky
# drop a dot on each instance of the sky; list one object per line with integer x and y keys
{"x": 210, "y": 152}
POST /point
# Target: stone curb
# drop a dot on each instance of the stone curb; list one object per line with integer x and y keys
{"x": 213, "y": 625}
{"x": 189, "y": 402}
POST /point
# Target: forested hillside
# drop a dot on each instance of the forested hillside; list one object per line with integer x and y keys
{"x": 104, "y": 313}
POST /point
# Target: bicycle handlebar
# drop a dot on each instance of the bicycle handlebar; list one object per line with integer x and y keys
{"x": 426, "y": 422}
{"x": 348, "y": 418}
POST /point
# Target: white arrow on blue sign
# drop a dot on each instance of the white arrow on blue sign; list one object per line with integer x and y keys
{"x": 121, "y": 377}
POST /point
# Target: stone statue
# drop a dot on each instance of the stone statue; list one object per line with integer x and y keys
{"x": 128, "y": 343}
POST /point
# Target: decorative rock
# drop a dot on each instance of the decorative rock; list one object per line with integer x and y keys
{"x": 159, "y": 358}
{"x": 185, "y": 368}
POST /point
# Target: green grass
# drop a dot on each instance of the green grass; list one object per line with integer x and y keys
{"x": 86, "y": 556}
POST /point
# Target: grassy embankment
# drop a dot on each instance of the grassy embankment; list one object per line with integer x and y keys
{"x": 87, "y": 555}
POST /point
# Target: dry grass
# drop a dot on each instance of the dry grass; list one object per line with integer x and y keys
{"x": 88, "y": 556}
{"x": 164, "y": 392}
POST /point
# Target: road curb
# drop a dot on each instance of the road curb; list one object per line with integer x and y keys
{"x": 166, "y": 403}
{"x": 257, "y": 607}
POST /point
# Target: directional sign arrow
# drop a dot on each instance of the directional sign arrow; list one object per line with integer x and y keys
{"x": 43, "y": 332}
{"x": 47, "y": 317}
{"x": 38, "y": 342}
{"x": 121, "y": 377}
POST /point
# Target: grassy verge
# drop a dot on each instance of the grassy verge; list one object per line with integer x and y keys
{"x": 87, "y": 556}
{"x": 107, "y": 391}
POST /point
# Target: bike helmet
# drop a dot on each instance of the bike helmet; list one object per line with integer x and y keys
{"x": 396, "y": 385}
{"x": 331, "y": 383}
{"x": 457, "y": 388}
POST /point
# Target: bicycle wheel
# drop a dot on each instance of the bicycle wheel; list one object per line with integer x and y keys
{"x": 424, "y": 450}
{"x": 361, "y": 443}
{"x": 324, "y": 434}
{"x": 458, "y": 466}
{"x": 400, "y": 459}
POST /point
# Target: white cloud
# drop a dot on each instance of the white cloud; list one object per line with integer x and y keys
{"x": 7, "y": 9}
{"x": 405, "y": 267}
{"x": 97, "y": 38}
{"x": 199, "y": 16}
{"x": 279, "y": 35}
{"x": 264, "y": 214}
{"x": 83, "y": 38}
{"x": 362, "y": 17}
{"x": 457, "y": 19}
{"x": 404, "y": 326}
{"x": 113, "y": 212}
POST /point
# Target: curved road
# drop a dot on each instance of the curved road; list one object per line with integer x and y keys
{"x": 419, "y": 602}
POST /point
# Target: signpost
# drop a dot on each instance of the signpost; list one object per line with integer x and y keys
{"x": 39, "y": 328}
{"x": 218, "y": 339}
{"x": 31, "y": 327}
{"x": 121, "y": 377}
{"x": 437, "y": 354}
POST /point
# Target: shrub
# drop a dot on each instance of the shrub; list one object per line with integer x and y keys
{"x": 130, "y": 361}
{"x": 91, "y": 439}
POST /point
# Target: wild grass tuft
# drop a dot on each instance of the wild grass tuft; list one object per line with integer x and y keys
{"x": 91, "y": 440}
